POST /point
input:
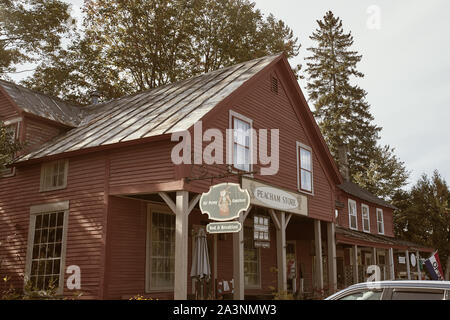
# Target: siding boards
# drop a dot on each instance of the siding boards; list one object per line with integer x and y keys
{"x": 84, "y": 239}
{"x": 7, "y": 110}
{"x": 275, "y": 111}
{"x": 149, "y": 163}
{"x": 343, "y": 219}
{"x": 37, "y": 133}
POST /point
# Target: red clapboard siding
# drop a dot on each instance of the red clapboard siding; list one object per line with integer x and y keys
{"x": 127, "y": 224}
{"x": 38, "y": 132}
{"x": 84, "y": 241}
{"x": 343, "y": 219}
{"x": 148, "y": 163}
{"x": 7, "y": 110}
{"x": 275, "y": 111}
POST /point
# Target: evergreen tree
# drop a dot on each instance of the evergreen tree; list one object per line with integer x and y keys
{"x": 130, "y": 46}
{"x": 423, "y": 215}
{"x": 343, "y": 113}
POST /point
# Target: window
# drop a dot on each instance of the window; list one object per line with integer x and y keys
{"x": 47, "y": 245}
{"x": 161, "y": 264}
{"x": 242, "y": 136}
{"x": 399, "y": 294}
{"x": 353, "y": 220}
{"x": 365, "y": 217}
{"x": 251, "y": 260}
{"x": 305, "y": 167}
{"x": 54, "y": 175}
{"x": 380, "y": 221}
{"x": 364, "y": 295}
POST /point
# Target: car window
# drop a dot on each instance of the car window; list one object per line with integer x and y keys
{"x": 363, "y": 295}
{"x": 417, "y": 294}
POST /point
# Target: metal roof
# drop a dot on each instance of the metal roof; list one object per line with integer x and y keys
{"x": 166, "y": 109}
{"x": 355, "y": 190}
{"x": 44, "y": 106}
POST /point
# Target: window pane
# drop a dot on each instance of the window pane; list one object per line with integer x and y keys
{"x": 437, "y": 295}
{"x": 305, "y": 159}
{"x": 306, "y": 183}
{"x": 162, "y": 250}
{"x": 251, "y": 259}
{"x": 363, "y": 295}
{"x": 353, "y": 221}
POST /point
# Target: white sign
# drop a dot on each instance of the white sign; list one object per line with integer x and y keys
{"x": 401, "y": 260}
{"x": 413, "y": 259}
{"x": 267, "y": 196}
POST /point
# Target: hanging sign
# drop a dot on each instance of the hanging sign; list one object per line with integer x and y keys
{"x": 413, "y": 259}
{"x": 224, "y": 227}
{"x": 264, "y": 195}
{"x": 401, "y": 260}
{"x": 224, "y": 201}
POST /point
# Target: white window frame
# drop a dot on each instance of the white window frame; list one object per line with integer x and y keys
{"x": 148, "y": 248}
{"x": 35, "y": 210}
{"x": 368, "y": 217}
{"x": 379, "y": 210}
{"x": 230, "y": 150}
{"x": 299, "y": 185}
{"x": 350, "y": 201}
{"x": 44, "y": 188}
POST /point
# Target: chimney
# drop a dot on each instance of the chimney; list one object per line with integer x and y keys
{"x": 95, "y": 95}
{"x": 343, "y": 162}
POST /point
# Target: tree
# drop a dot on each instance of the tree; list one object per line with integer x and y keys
{"x": 130, "y": 46}
{"x": 8, "y": 146}
{"x": 343, "y": 113}
{"x": 423, "y": 215}
{"x": 30, "y": 29}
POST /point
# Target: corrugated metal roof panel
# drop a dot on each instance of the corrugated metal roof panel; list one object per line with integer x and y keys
{"x": 165, "y": 109}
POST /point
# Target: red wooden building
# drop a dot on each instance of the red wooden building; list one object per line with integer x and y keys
{"x": 96, "y": 188}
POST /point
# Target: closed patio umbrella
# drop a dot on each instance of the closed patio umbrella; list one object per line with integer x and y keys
{"x": 201, "y": 269}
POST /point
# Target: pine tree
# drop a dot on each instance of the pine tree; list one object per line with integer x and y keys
{"x": 343, "y": 112}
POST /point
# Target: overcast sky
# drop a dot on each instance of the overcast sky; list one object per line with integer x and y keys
{"x": 406, "y": 62}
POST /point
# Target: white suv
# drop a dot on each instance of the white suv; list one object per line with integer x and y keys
{"x": 395, "y": 290}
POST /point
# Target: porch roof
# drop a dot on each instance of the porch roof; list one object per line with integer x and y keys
{"x": 345, "y": 235}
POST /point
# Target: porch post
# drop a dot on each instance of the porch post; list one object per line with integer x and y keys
{"x": 374, "y": 255}
{"x": 355, "y": 264}
{"x": 418, "y": 265}
{"x": 238, "y": 259}
{"x": 332, "y": 269}
{"x": 408, "y": 268}
{"x": 318, "y": 245}
{"x": 181, "y": 245}
{"x": 281, "y": 254}
{"x": 391, "y": 263}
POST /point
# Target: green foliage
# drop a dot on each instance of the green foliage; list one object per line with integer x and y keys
{"x": 8, "y": 146}
{"x": 30, "y": 29}
{"x": 129, "y": 46}
{"x": 343, "y": 113}
{"x": 424, "y": 214}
